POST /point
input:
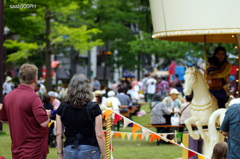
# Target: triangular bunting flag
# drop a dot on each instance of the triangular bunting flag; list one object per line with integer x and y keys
{"x": 140, "y": 136}
{"x": 126, "y": 121}
{"x": 112, "y": 156}
{"x": 146, "y": 133}
{"x": 182, "y": 145}
{"x": 135, "y": 128}
{"x": 173, "y": 142}
{"x": 107, "y": 113}
{"x": 134, "y": 136}
{"x": 191, "y": 154}
{"x": 116, "y": 135}
{"x": 153, "y": 137}
{"x": 117, "y": 118}
{"x": 129, "y": 136}
{"x": 123, "y": 135}
{"x": 164, "y": 137}
{"x": 201, "y": 157}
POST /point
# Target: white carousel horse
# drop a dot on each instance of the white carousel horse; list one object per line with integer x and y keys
{"x": 203, "y": 103}
{"x": 216, "y": 119}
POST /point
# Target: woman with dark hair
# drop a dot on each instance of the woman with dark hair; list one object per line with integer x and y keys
{"x": 221, "y": 73}
{"x": 81, "y": 121}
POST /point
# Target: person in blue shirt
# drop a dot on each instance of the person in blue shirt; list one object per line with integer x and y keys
{"x": 230, "y": 127}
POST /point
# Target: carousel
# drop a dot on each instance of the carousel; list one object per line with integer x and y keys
{"x": 203, "y": 22}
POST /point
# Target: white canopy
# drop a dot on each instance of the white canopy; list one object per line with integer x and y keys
{"x": 193, "y": 20}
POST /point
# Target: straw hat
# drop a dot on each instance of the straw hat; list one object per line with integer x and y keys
{"x": 98, "y": 93}
{"x": 8, "y": 79}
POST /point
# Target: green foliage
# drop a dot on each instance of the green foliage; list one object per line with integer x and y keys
{"x": 24, "y": 50}
{"x": 79, "y": 38}
{"x": 29, "y": 25}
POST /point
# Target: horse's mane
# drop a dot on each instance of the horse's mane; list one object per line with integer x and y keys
{"x": 199, "y": 74}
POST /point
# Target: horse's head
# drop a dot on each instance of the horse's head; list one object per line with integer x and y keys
{"x": 190, "y": 78}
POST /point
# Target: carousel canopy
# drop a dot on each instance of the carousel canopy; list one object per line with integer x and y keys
{"x": 211, "y": 21}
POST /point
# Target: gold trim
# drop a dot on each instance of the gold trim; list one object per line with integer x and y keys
{"x": 202, "y": 105}
{"x": 198, "y": 29}
{"x": 200, "y": 109}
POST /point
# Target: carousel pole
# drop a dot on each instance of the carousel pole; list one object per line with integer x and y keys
{"x": 205, "y": 52}
{"x": 108, "y": 137}
{"x": 238, "y": 74}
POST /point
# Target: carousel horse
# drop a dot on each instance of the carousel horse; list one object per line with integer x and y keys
{"x": 215, "y": 120}
{"x": 203, "y": 103}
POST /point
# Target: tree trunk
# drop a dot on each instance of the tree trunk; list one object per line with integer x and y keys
{"x": 48, "y": 51}
{"x": 73, "y": 56}
{"x": 139, "y": 66}
{"x": 1, "y": 53}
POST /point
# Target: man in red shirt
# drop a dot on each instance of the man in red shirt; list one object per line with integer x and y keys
{"x": 28, "y": 120}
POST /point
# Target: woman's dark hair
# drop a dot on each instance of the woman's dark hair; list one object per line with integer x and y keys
{"x": 220, "y": 48}
{"x": 46, "y": 99}
{"x": 220, "y": 151}
{"x": 79, "y": 91}
{"x": 99, "y": 99}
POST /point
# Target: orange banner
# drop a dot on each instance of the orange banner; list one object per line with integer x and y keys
{"x": 135, "y": 128}
{"x": 107, "y": 113}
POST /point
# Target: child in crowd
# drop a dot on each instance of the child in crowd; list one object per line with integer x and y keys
{"x": 214, "y": 65}
{"x": 220, "y": 151}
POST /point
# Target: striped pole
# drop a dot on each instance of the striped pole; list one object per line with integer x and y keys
{"x": 108, "y": 138}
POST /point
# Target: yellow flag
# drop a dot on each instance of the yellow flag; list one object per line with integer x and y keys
{"x": 123, "y": 135}
{"x": 201, "y": 157}
{"x": 135, "y": 136}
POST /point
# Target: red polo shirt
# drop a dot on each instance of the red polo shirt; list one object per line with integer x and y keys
{"x": 24, "y": 111}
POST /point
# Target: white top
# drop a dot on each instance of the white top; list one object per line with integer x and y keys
{"x": 151, "y": 85}
{"x": 7, "y": 87}
{"x": 186, "y": 113}
{"x": 115, "y": 103}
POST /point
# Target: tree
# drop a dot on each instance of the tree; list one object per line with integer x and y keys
{"x": 32, "y": 28}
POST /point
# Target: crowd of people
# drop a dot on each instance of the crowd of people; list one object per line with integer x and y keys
{"x": 77, "y": 108}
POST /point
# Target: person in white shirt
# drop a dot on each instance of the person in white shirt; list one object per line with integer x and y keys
{"x": 100, "y": 99}
{"x": 185, "y": 109}
{"x": 151, "y": 88}
{"x": 7, "y": 85}
{"x": 115, "y": 101}
{"x": 172, "y": 102}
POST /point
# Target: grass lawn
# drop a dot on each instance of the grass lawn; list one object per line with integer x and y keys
{"x": 123, "y": 149}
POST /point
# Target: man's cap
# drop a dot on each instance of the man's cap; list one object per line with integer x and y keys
{"x": 174, "y": 91}
{"x": 111, "y": 94}
{"x": 53, "y": 94}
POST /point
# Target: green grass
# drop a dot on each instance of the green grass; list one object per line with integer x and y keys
{"x": 123, "y": 149}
